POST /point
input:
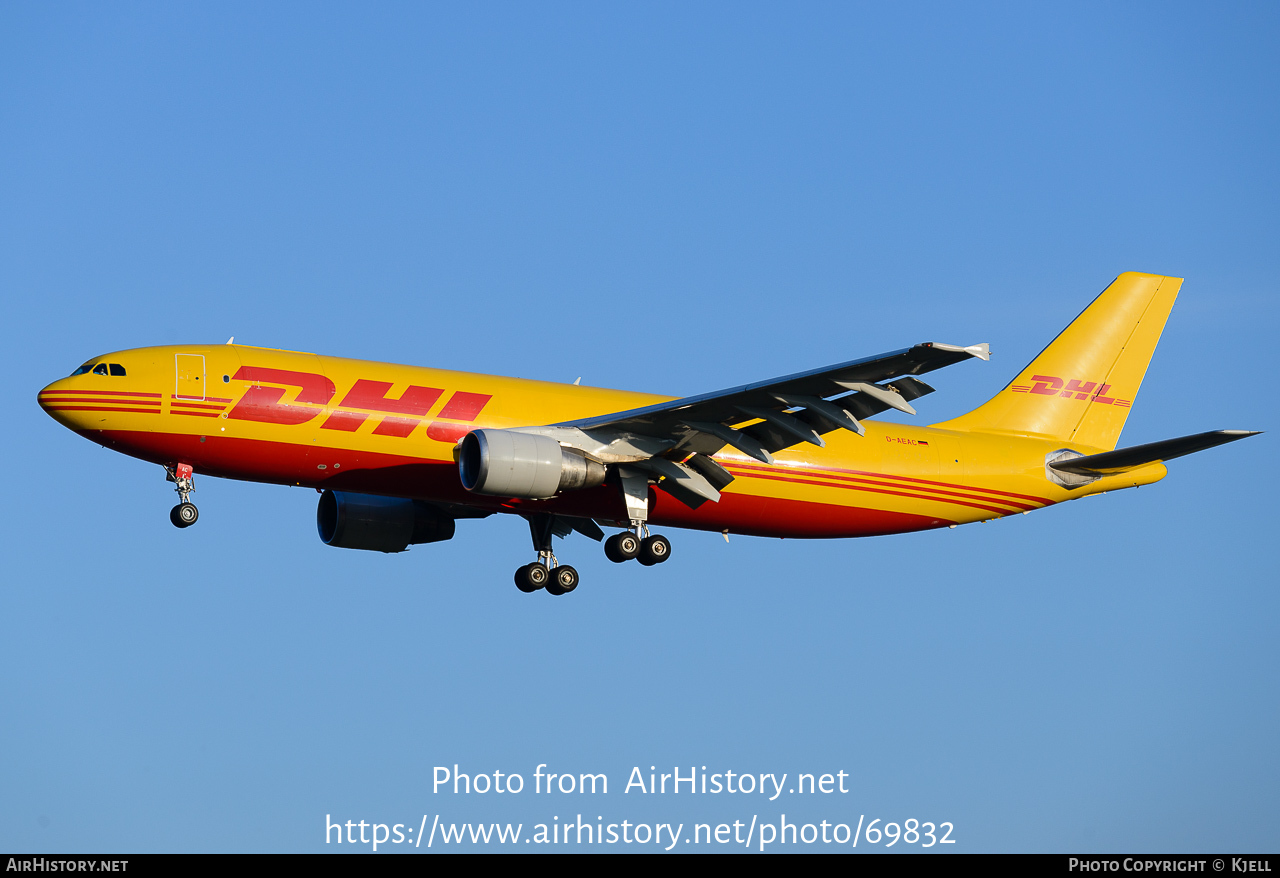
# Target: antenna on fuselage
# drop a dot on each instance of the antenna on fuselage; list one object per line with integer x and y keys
{"x": 231, "y": 340}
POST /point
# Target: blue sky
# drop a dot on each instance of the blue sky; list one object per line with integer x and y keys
{"x": 667, "y": 198}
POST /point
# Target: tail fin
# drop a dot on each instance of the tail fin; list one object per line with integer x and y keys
{"x": 1080, "y": 387}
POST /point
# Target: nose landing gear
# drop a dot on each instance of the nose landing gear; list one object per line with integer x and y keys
{"x": 185, "y": 513}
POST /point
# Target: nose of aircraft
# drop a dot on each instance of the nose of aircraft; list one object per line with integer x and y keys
{"x": 98, "y": 396}
{"x": 63, "y": 402}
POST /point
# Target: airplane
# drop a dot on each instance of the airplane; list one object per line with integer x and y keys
{"x": 400, "y": 453}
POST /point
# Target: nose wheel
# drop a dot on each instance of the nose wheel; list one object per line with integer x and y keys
{"x": 185, "y": 513}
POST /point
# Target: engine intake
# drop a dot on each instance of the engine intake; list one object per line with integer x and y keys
{"x": 506, "y": 463}
{"x": 379, "y": 524}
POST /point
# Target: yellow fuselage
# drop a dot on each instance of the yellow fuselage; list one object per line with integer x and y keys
{"x": 352, "y": 425}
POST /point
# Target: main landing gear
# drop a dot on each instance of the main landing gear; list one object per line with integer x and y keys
{"x": 635, "y": 542}
{"x": 648, "y": 550}
{"x": 185, "y": 513}
{"x": 546, "y": 572}
{"x": 558, "y": 579}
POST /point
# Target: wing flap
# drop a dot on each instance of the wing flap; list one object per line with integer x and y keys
{"x": 684, "y": 483}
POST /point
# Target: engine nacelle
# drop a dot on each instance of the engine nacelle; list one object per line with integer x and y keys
{"x": 379, "y": 524}
{"x": 506, "y": 463}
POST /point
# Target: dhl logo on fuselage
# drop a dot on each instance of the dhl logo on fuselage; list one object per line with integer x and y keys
{"x": 262, "y": 402}
{"x": 1050, "y": 385}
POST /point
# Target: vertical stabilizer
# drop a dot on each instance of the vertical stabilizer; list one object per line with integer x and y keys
{"x": 1080, "y": 387}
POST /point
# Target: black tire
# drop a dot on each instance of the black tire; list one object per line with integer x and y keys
{"x": 522, "y": 581}
{"x": 566, "y": 578}
{"x": 621, "y": 547}
{"x": 654, "y": 550}
{"x": 184, "y": 515}
{"x": 532, "y": 577}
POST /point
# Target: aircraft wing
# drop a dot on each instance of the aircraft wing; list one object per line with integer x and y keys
{"x": 759, "y": 419}
{"x": 794, "y": 408}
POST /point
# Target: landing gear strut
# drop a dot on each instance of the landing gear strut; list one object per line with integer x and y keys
{"x": 637, "y": 542}
{"x": 546, "y": 572}
{"x": 185, "y": 513}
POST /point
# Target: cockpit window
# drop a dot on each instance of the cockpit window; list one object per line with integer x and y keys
{"x": 83, "y": 369}
{"x": 117, "y": 369}
{"x": 100, "y": 369}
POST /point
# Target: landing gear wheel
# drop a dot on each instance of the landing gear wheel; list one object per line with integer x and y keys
{"x": 184, "y": 515}
{"x": 564, "y": 578}
{"x": 531, "y": 577}
{"x": 621, "y": 547}
{"x": 654, "y": 550}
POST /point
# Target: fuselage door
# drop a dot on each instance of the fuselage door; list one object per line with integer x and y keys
{"x": 189, "y": 383}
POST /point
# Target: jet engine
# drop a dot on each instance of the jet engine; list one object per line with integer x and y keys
{"x": 507, "y": 463}
{"x": 379, "y": 524}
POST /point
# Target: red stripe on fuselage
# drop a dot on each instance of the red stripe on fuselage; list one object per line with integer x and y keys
{"x": 850, "y": 487}
{"x": 98, "y": 393}
{"x": 856, "y": 483}
{"x": 780, "y": 517}
{"x": 434, "y": 480}
{"x": 98, "y": 408}
{"x": 62, "y": 401}
{"x": 825, "y": 472}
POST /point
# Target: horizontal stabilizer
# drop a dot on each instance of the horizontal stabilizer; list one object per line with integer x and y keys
{"x": 1123, "y": 459}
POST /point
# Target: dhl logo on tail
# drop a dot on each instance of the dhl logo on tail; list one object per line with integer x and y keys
{"x": 1048, "y": 385}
